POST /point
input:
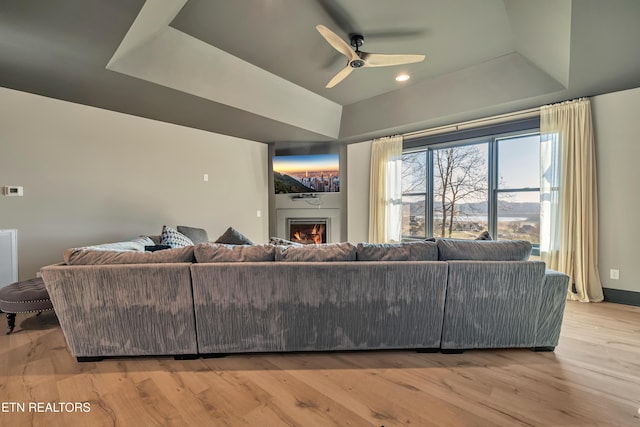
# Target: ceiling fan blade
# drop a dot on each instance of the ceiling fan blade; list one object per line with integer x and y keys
{"x": 338, "y": 44}
{"x": 384, "y": 60}
{"x": 342, "y": 74}
{"x": 339, "y": 15}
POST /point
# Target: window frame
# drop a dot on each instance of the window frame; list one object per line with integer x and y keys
{"x": 491, "y": 135}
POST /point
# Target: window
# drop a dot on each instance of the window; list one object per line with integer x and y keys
{"x": 461, "y": 187}
{"x": 518, "y": 188}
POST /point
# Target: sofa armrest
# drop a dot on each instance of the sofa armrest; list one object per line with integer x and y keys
{"x": 552, "y": 303}
{"x": 124, "y": 310}
{"x": 492, "y": 304}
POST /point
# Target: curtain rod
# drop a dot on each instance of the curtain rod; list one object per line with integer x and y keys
{"x": 501, "y": 118}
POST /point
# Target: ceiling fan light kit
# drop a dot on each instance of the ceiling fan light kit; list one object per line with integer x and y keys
{"x": 358, "y": 59}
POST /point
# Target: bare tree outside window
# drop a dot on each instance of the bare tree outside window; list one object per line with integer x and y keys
{"x": 460, "y": 179}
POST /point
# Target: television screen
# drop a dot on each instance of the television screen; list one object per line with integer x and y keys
{"x": 313, "y": 173}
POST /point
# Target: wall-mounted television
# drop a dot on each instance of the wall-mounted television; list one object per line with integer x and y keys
{"x": 311, "y": 173}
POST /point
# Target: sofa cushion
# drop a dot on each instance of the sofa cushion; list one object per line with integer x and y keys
{"x": 216, "y": 252}
{"x": 234, "y": 237}
{"x": 317, "y": 253}
{"x": 197, "y": 235}
{"x": 382, "y": 252}
{"x": 422, "y": 251}
{"x": 409, "y": 251}
{"x": 483, "y": 250}
{"x": 80, "y": 256}
{"x": 173, "y": 238}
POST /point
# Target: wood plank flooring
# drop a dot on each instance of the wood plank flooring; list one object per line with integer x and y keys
{"x": 592, "y": 379}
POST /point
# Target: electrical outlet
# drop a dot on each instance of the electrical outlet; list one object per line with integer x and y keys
{"x": 205, "y": 177}
{"x": 614, "y": 274}
{"x": 258, "y": 214}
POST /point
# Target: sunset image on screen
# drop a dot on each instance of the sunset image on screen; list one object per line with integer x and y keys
{"x": 306, "y": 174}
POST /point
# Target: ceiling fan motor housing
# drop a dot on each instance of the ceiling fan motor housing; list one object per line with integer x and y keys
{"x": 357, "y": 40}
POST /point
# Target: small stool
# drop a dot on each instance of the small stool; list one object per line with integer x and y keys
{"x": 27, "y": 296}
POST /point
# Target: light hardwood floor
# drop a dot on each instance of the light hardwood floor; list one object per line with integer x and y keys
{"x": 593, "y": 378}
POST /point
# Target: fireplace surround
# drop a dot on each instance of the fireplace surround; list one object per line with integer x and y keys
{"x": 330, "y": 218}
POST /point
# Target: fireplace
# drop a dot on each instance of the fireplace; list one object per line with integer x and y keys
{"x": 330, "y": 217}
{"x": 308, "y": 231}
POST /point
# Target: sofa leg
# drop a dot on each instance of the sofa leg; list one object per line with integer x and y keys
{"x": 544, "y": 348}
{"x": 427, "y": 350}
{"x": 11, "y": 322}
{"x": 214, "y": 355}
{"x": 451, "y": 351}
{"x": 83, "y": 359}
{"x": 185, "y": 357}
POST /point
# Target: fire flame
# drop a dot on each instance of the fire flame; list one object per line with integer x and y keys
{"x": 315, "y": 235}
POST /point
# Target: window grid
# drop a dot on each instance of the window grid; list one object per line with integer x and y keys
{"x": 494, "y": 187}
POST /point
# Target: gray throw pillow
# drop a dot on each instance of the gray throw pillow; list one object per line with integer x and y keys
{"x": 484, "y": 236}
{"x": 483, "y": 250}
{"x": 197, "y": 235}
{"x": 317, "y": 253}
{"x": 234, "y": 237}
{"x": 216, "y": 252}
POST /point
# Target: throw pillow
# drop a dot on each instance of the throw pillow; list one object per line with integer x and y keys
{"x": 197, "y": 235}
{"x": 484, "y": 236}
{"x": 283, "y": 242}
{"x": 173, "y": 238}
{"x": 234, "y": 237}
{"x": 317, "y": 253}
{"x": 136, "y": 245}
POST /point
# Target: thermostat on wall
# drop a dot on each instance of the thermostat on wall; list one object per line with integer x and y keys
{"x": 11, "y": 190}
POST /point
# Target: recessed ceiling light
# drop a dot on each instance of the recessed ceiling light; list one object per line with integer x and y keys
{"x": 402, "y": 77}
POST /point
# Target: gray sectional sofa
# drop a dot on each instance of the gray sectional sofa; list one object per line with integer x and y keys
{"x": 213, "y": 299}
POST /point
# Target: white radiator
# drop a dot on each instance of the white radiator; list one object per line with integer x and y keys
{"x": 8, "y": 257}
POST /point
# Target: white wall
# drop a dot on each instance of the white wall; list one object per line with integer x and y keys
{"x": 358, "y": 176}
{"x": 617, "y": 131}
{"x": 92, "y": 175}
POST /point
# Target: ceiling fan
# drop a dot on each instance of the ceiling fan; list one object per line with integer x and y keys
{"x": 358, "y": 59}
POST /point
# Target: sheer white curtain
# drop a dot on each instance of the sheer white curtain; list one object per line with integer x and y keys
{"x": 385, "y": 196}
{"x": 569, "y": 204}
